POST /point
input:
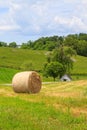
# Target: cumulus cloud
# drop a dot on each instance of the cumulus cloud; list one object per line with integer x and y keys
{"x": 73, "y": 23}
{"x": 42, "y": 17}
{"x": 8, "y": 27}
{"x": 7, "y": 22}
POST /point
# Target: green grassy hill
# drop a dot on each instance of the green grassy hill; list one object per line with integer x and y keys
{"x": 80, "y": 65}
{"x": 58, "y": 106}
{"x": 6, "y": 74}
{"x": 12, "y": 59}
{"x": 15, "y": 58}
{"x": 80, "y": 68}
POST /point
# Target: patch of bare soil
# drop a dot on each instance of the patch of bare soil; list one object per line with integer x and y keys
{"x": 62, "y": 94}
{"x": 81, "y": 82}
{"x": 76, "y": 111}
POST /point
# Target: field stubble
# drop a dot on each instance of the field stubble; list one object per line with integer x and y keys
{"x": 60, "y": 105}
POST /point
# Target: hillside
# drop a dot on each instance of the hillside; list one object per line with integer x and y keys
{"x": 12, "y": 59}
{"x": 80, "y": 65}
{"x": 61, "y": 105}
{"x": 15, "y": 58}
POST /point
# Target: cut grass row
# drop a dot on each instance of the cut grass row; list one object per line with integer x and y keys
{"x": 54, "y": 107}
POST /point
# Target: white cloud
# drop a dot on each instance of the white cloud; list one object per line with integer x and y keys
{"x": 7, "y": 22}
{"x": 70, "y": 1}
{"x": 9, "y": 27}
{"x": 73, "y": 23}
{"x": 43, "y": 17}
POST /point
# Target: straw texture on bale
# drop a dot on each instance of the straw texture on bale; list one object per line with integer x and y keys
{"x": 26, "y": 82}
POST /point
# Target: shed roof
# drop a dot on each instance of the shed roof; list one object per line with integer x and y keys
{"x": 65, "y": 78}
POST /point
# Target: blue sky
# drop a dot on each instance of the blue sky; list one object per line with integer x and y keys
{"x": 24, "y": 20}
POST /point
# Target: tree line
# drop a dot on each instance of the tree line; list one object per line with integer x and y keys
{"x": 78, "y": 42}
{"x": 4, "y": 44}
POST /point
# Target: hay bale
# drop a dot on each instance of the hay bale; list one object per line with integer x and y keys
{"x": 26, "y": 82}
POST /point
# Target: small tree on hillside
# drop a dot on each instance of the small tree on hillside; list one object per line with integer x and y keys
{"x": 63, "y": 56}
{"x": 53, "y": 69}
{"x": 59, "y": 62}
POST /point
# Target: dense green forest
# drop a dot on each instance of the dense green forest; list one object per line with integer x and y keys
{"x": 76, "y": 41}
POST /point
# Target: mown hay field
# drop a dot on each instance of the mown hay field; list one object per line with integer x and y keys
{"x": 58, "y": 106}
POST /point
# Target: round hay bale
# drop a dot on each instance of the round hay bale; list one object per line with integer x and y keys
{"x": 26, "y": 82}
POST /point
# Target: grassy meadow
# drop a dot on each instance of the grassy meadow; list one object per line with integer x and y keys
{"x": 6, "y": 74}
{"x": 80, "y": 65}
{"x": 15, "y": 57}
{"x": 58, "y": 106}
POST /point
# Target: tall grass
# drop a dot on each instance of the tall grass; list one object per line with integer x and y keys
{"x": 6, "y": 74}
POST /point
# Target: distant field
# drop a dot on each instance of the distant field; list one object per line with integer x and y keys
{"x": 80, "y": 65}
{"x": 15, "y": 58}
{"x": 58, "y": 106}
{"x": 80, "y": 68}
